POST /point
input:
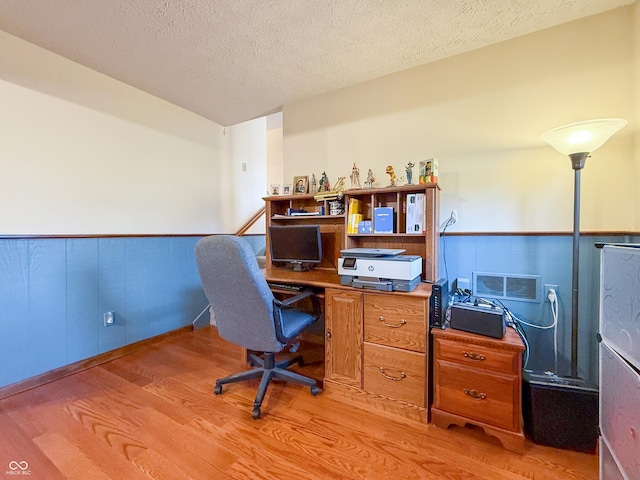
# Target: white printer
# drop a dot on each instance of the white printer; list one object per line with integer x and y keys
{"x": 379, "y": 269}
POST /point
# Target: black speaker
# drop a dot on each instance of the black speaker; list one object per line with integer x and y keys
{"x": 488, "y": 321}
{"x": 560, "y": 412}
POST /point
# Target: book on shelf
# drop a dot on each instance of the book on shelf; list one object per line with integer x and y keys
{"x": 297, "y": 212}
{"x": 383, "y": 220}
{"x": 304, "y": 214}
{"x": 365, "y": 226}
{"x": 428, "y": 170}
{"x": 354, "y": 215}
{"x": 415, "y": 213}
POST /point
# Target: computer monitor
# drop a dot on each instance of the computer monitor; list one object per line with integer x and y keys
{"x": 297, "y": 245}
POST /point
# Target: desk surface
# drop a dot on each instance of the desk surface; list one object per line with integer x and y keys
{"x": 329, "y": 279}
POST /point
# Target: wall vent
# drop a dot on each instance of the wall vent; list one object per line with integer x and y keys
{"x": 507, "y": 286}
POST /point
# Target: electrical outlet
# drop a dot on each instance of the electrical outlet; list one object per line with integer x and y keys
{"x": 109, "y": 318}
{"x": 547, "y": 291}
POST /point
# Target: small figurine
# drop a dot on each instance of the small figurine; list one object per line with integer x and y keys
{"x": 339, "y": 186}
{"x": 393, "y": 180}
{"x": 370, "y": 179}
{"x": 408, "y": 168}
{"x": 355, "y": 177}
{"x": 324, "y": 183}
{"x": 314, "y": 183}
{"x": 392, "y": 176}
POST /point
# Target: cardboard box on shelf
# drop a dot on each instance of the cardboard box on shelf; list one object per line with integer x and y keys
{"x": 415, "y": 213}
{"x": 428, "y": 170}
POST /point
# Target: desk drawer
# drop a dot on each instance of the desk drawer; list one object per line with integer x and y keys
{"x": 402, "y": 376}
{"x": 396, "y": 321}
{"x": 477, "y": 355}
{"x": 475, "y": 394}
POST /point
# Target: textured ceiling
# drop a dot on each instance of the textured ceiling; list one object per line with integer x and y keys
{"x": 234, "y": 60}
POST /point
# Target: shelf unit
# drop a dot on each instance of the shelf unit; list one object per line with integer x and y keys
{"x": 333, "y": 228}
{"x": 425, "y": 244}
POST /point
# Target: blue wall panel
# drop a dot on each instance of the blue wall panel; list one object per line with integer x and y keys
{"x": 84, "y": 320}
{"x": 14, "y": 311}
{"x": 47, "y": 305}
{"x": 53, "y": 293}
{"x": 137, "y": 292}
{"x": 112, "y": 291}
{"x": 161, "y": 311}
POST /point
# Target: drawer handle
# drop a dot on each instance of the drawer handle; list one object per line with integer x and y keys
{"x": 474, "y": 356}
{"x": 383, "y": 320}
{"x": 474, "y": 394}
{"x": 395, "y": 379}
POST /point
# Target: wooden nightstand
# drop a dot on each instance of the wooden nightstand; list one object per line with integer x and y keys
{"x": 478, "y": 380}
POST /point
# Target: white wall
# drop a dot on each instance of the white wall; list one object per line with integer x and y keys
{"x": 82, "y": 153}
{"x": 481, "y": 114}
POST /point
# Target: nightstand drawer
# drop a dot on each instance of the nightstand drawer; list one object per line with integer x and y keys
{"x": 395, "y": 373}
{"x": 485, "y": 397}
{"x": 477, "y": 355}
{"x": 396, "y": 321}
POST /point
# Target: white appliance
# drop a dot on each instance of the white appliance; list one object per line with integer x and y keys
{"x": 392, "y": 272}
{"x": 620, "y": 362}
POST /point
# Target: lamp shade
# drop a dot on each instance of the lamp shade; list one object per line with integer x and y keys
{"x": 582, "y": 137}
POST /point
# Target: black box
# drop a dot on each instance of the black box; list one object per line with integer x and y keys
{"x": 438, "y": 302}
{"x": 488, "y": 321}
{"x": 560, "y": 412}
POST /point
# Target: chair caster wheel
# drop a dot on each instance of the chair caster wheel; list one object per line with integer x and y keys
{"x": 255, "y": 414}
{"x": 218, "y": 389}
{"x": 315, "y": 390}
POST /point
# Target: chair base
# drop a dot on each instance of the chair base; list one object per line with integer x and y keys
{"x": 268, "y": 369}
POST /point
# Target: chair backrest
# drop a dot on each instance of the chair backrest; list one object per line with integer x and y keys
{"x": 239, "y": 295}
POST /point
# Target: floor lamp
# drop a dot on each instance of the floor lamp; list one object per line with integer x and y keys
{"x": 578, "y": 141}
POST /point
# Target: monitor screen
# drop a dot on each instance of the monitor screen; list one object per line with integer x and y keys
{"x": 298, "y": 245}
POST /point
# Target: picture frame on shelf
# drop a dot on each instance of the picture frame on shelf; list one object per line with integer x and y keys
{"x": 275, "y": 189}
{"x": 300, "y": 185}
{"x": 286, "y": 189}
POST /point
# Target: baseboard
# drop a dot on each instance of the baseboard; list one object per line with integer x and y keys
{"x": 61, "y": 372}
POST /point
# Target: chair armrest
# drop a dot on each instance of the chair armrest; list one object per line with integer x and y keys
{"x": 315, "y": 303}
{"x": 283, "y": 304}
{"x": 291, "y": 300}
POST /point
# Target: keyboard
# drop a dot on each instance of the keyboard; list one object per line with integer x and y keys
{"x": 285, "y": 286}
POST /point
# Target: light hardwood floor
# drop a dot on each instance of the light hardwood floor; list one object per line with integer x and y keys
{"x": 153, "y": 414}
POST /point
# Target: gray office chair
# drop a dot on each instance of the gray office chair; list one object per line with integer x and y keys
{"x": 248, "y": 314}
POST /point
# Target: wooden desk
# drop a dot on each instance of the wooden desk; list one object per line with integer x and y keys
{"x": 376, "y": 342}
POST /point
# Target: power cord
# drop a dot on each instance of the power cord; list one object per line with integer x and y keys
{"x": 553, "y": 298}
{"x": 450, "y": 221}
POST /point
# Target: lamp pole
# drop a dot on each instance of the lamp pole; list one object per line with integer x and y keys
{"x": 577, "y": 162}
{"x": 584, "y": 137}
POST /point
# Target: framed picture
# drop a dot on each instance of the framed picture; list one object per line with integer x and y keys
{"x": 300, "y": 185}
{"x": 275, "y": 189}
{"x": 286, "y": 189}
